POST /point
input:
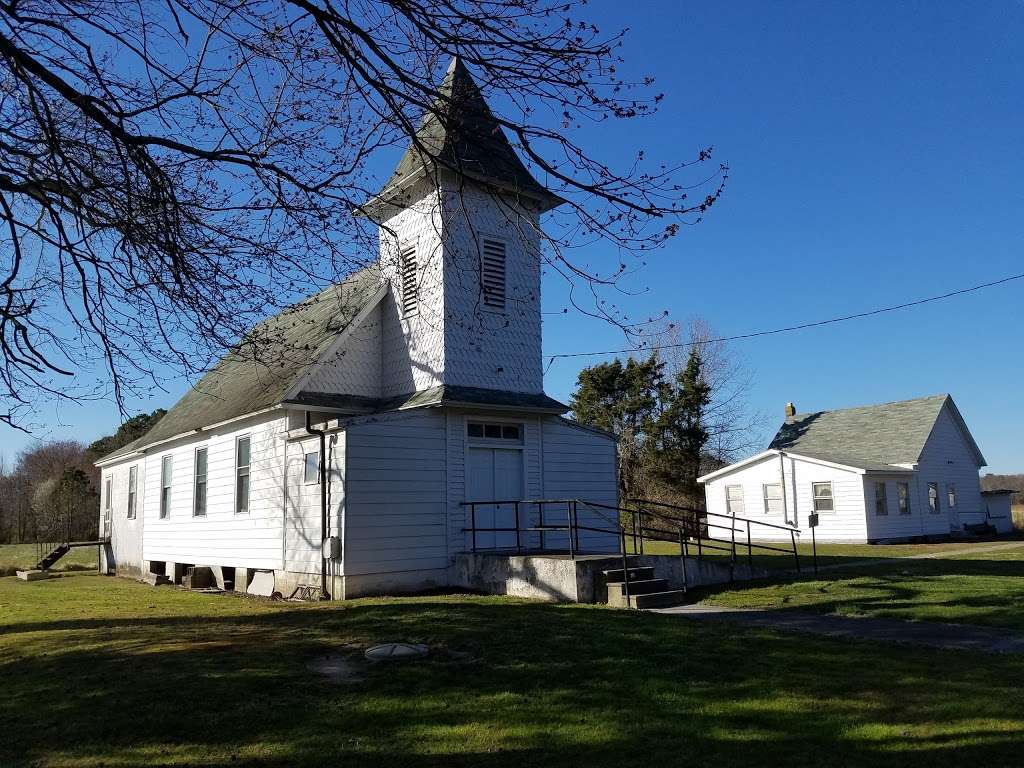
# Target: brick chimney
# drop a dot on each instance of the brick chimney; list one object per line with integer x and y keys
{"x": 790, "y": 410}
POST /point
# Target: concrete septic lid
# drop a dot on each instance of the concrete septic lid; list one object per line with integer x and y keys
{"x": 396, "y": 652}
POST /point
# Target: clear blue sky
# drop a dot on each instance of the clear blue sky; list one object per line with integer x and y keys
{"x": 876, "y": 158}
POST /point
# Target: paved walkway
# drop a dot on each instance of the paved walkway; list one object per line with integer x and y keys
{"x": 926, "y": 633}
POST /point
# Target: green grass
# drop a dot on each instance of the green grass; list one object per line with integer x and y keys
{"x": 20, "y": 557}
{"x": 100, "y": 671}
{"x": 828, "y": 554}
{"x": 983, "y": 586}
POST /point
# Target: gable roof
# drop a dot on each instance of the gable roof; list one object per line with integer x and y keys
{"x": 259, "y": 372}
{"x": 870, "y": 436}
{"x": 460, "y": 133}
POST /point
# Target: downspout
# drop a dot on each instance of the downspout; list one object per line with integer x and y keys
{"x": 782, "y": 477}
{"x": 322, "y": 434}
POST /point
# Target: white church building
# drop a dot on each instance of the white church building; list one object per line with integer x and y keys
{"x": 339, "y": 444}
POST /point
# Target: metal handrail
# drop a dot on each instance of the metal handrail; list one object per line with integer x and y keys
{"x": 683, "y": 528}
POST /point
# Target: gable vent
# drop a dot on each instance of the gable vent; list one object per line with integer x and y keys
{"x": 410, "y": 290}
{"x": 493, "y": 273}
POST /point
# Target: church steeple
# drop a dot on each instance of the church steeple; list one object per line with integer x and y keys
{"x": 460, "y": 135}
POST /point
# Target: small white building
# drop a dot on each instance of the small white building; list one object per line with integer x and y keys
{"x": 887, "y": 472}
{"x": 368, "y": 415}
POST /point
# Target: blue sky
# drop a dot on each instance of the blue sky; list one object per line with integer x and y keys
{"x": 876, "y": 156}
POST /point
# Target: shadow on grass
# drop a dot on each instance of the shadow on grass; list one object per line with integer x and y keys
{"x": 508, "y": 683}
{"x": 984, "y": 592}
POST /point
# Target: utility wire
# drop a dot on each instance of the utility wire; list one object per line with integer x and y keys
{"x": 791, "y": 328}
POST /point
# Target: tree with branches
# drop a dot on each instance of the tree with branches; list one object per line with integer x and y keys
{"x": 172, "y": 172}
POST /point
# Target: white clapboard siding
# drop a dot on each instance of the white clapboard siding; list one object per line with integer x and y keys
{"x": 395, "y": 517}
{"x": 948, "y": 458}
{"x": 126, "y": 534}
{"x": 580, "y": 463}
{"x": 221, "y": 537}
{"x": 846, "y": 523}
{"x": 302, "y": 523}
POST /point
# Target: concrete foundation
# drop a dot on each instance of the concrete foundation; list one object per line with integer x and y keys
{"x": 32, "y": 575}
{"x": 558, "y": 578}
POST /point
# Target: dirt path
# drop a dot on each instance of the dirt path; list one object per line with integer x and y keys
{"x": 925, "y": 633}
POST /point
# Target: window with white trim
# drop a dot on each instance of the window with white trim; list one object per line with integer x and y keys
{"x": 822, "y": 497}
{"x": 410, "y": 290}
{"x": 772, "y": 499}
{"x": 933, "y": 498}
{"x": 199, "y": 503}
{"x": 492, "y": 272}
{"x": 951, "y": 495}
{"x": 242, "y": 457}
{"x": 166, "y": 470}
{"x": 881, "y": 502}
{"x": 476, "y": 430}
{"x": 734, "y": 499}
{"x": 903, "y": 493}
{"x": 133, "y": 486}
{"x": 108, "y": 496}
{"x": 311, "y": 467}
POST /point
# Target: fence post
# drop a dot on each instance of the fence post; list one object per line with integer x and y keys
{"x": 519, "y": 546}
{"x": 472, "y": 524}
{"x": 750, "y": 554}
{"x": 540, "y": 514}
{"x": 732, "y": 555}
{"x": 625, "y": 564}
{"x": 576, "y": 522}
{"x": 568, "y": 517}
{"x": 796, "y": 555}
{"x": 682, "y": 552}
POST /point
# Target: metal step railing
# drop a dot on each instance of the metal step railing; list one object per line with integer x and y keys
{"x": 649, "y": 521}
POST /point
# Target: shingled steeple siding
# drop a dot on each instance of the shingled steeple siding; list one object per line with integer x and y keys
{"x": 460, "y": 135}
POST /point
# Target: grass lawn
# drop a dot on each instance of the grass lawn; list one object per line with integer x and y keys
{"x": 982, "y": 586}
{"x": 20, "y": 557}
{"x": 99, "y": 671}
{"x": 828, "y": 554}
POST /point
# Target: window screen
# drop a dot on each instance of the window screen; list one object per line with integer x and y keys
{"x": 734, "y": 499}
{"x": 166, "y": 469}
{"x": 199, "y": 509}
{"x": 242, "y": 475}
{"x": 773, "y": 499}
{"x": 823, "y": 501}
{"x": 881, "y": 503}
{"x": 903, "y": 492}
{"x": 311, "y": 468}
{"x": 133, "y": 484}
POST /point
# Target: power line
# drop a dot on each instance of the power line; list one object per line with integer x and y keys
{"x": 791, "y": 328}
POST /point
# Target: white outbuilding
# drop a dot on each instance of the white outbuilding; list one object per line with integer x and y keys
{"x": 889, "y": 472}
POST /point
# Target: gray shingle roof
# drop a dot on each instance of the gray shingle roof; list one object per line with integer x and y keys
{"x": 444, "y": 394}
{"x": 461, "y": 134}
{"x": 259, "y": 372}
{"x": 869, "y": 437}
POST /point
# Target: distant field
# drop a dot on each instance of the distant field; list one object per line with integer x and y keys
{"x": 19, "y": 557}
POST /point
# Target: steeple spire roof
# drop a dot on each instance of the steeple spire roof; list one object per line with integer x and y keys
{"x": 460, "y": 134}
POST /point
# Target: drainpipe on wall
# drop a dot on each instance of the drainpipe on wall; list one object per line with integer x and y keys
{"x": 782, "y": 477}
{"x": 322, "y": 434}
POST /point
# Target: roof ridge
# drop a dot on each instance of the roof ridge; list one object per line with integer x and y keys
{"x": 943, "y": 396}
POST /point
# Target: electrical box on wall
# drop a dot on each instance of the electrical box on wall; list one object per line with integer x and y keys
{"x": 332, "y": 548}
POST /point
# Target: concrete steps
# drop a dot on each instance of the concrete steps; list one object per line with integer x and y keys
{"x": 645, "y": 591}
